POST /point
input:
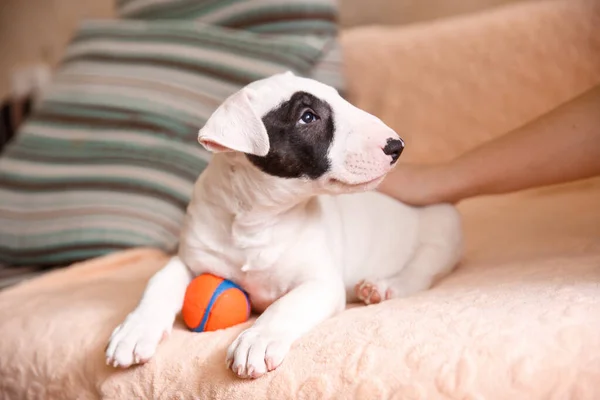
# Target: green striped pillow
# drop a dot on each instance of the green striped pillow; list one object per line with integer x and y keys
{"x": 108, "y": 159}
{"x": 266, "y": 16}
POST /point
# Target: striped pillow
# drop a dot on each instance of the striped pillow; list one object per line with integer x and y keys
{"x": 108, "y": 159}
{"x": 266, "y": 16}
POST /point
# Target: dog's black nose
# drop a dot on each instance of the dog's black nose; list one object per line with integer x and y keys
{"x": 394, "y": 148}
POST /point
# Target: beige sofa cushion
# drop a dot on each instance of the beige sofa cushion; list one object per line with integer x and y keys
{"x": 449, "y": 85}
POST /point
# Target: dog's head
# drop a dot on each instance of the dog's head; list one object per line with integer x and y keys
{"x": 297, "y": 128}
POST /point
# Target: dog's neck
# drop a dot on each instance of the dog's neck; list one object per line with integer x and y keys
{"x": 249, "y": 194}
{"x": 255, "y": 206}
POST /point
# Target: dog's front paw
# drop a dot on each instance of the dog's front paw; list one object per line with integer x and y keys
{"x": 256, "y": 352}
{"x": 135, "y": 340}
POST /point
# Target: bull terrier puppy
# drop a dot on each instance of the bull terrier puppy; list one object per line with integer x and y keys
{"x": 286, "y": 210}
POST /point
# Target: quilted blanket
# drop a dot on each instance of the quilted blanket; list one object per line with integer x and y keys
{"x": 518, "y": 320}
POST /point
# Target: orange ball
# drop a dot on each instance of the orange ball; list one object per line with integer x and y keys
{"x": 213, "y": 303}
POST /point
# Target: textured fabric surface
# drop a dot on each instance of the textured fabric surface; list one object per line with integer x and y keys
{"x": 109, "y": 158}
{"x": 264, "y": 16}
{"x": 518, "y": 320}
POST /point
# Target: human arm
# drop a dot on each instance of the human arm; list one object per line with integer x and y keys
{"x": 560, "y": 146}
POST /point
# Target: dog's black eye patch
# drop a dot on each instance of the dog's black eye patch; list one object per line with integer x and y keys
{"x": 300, "y": 133}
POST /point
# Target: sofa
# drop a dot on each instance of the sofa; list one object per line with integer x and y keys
{"x": 518, "y": 319}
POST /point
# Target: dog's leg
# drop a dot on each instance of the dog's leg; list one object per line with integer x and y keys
{"x": 263, "y": 347}
{"x": 438, "y": 252}
{"x": 136, "y": 339}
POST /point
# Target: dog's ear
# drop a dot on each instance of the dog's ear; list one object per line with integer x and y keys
{"x": 235, "y": 126}
{"x": 287, "y": 73}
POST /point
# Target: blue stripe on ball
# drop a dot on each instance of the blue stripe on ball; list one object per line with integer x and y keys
{"x": 223, "y": 286}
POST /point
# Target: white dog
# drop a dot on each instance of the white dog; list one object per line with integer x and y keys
{"x": 273, "y": 212}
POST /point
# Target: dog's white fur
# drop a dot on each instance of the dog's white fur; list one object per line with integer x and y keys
{"x": 301, "y": 248}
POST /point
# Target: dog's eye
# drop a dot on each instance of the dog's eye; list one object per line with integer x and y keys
{"x": 308, "y": 117}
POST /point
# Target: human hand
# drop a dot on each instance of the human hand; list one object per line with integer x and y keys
{"x": 421, "y": 185}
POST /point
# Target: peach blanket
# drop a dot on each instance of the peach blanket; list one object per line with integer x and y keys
{"x": 520, "y": 318}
